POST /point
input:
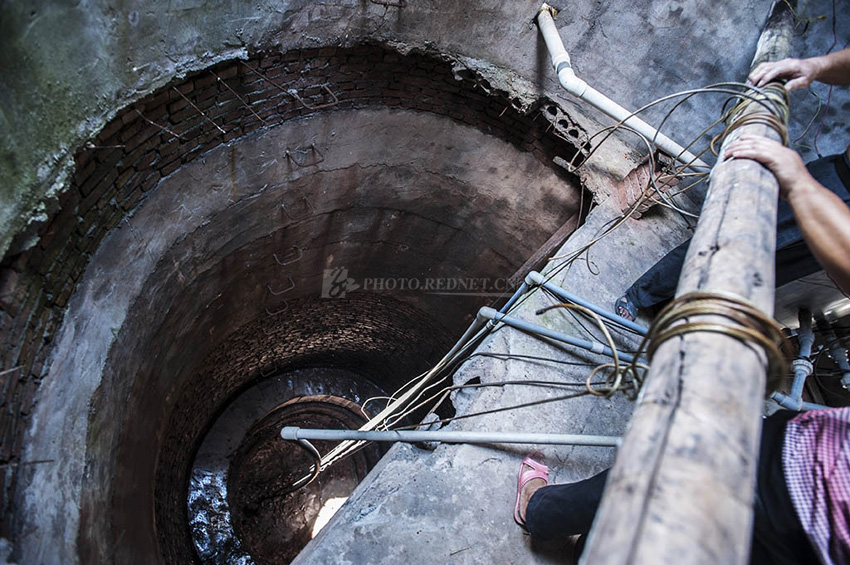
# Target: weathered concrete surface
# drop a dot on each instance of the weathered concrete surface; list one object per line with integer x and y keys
{"x": 455, "y": 505}
{"x": 426, "y": 197}
{"x": 67, "y": 69}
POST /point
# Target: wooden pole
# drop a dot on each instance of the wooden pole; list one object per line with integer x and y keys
{"x": 681, "y": 490}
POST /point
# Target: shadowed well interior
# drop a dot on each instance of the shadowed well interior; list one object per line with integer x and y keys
{"x": 213, "y": 211}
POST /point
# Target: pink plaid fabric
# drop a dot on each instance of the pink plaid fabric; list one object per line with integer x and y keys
{"x": 816, "y": 462}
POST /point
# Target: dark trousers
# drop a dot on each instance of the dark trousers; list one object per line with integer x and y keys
{"x": 778, "y": 538}
{"x": 793, "y": 258}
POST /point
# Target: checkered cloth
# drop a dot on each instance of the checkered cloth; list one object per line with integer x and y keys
{"x": 816, "y": 462}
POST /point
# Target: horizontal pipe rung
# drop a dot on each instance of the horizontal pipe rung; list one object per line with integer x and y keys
{"x": 293, "y": 433}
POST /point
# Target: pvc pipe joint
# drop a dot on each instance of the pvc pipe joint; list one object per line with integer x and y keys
{"x": 802, "y": 366}
{"x": 579, "y": 88}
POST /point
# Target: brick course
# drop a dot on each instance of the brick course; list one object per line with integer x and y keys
{"x": 395, "y": 341}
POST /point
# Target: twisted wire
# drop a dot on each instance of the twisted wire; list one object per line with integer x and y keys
{"x": 743, "y": 321}
{"x": 775, "y": 116}
{"x": 617, "y": 379}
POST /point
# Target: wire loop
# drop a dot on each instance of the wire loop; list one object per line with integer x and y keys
{"x": 617, "y": 379}
{"x": 744, "y": 322}
{"x": 775, "y": 114}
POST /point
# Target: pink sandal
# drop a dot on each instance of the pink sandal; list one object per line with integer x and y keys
{"x": 537, "y": 471}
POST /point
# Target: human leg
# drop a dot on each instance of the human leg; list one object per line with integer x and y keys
{"x": 778, "y": 536}
{"x": 569, "y": 509}
{"x": 659, "y": 283}
{"x": 564, "y": 510}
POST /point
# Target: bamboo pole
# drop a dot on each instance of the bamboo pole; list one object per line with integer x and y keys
{"x": 682, "y": 487}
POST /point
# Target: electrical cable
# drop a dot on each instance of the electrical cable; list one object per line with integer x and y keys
{"x": 718, "y": 88}
{"x": 572, "y": 167}
{"x": 776, "y": 119}
{"x": 610, "y": 324}
{"x": 527, "y": 358}
{"x": 451, "y": 388}
{"x": 617, "y": 221}
{"x": 811, "y": 121}
{"x": 573, "y": 315}
{"x": 618, "y": 374}
{"x": 764, "y": 99}
{"x": 501, "y": 409}
{"x": 315, "y": 469}
{"x": 416, "y": 403}
{"x": 829, "y": 91}
{"x": 343, "y": 449}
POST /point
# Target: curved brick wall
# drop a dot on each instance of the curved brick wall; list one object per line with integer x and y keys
{"x": 172, "y": 128}
{"x": 382, "y": 339}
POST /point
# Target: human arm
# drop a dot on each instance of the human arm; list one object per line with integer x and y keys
{"x": 833, "y": 68}
{"x": 823, "y": 217}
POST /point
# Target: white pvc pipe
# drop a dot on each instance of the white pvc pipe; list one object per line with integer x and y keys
{"x": 579, "y": 88}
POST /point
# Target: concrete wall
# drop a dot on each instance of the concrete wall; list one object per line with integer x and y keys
{"x": 118, "y": 175}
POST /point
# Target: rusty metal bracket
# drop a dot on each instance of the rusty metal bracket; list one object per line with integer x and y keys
{"x": 288, "y": 154}
{"x": 287, "y": 289}
{"x": 280, "y": 311}
{"x": 307, "y": 205}
{"x": 285, "y": 263}
{"x": 335, "y": 101}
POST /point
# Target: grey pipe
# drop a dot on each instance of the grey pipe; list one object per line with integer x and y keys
{"x": 802, "y": 368}
{"x": 593, "y": 346}
{"x": 536, "y": 279}
{"x": 473, "y": 328}
{"x": 520, "y": 291}
{"x": 802, "y": 365}
{"x": 839, "y": 355}
{"x": 795, "y": 404}
{"x": 292, "y": 433}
